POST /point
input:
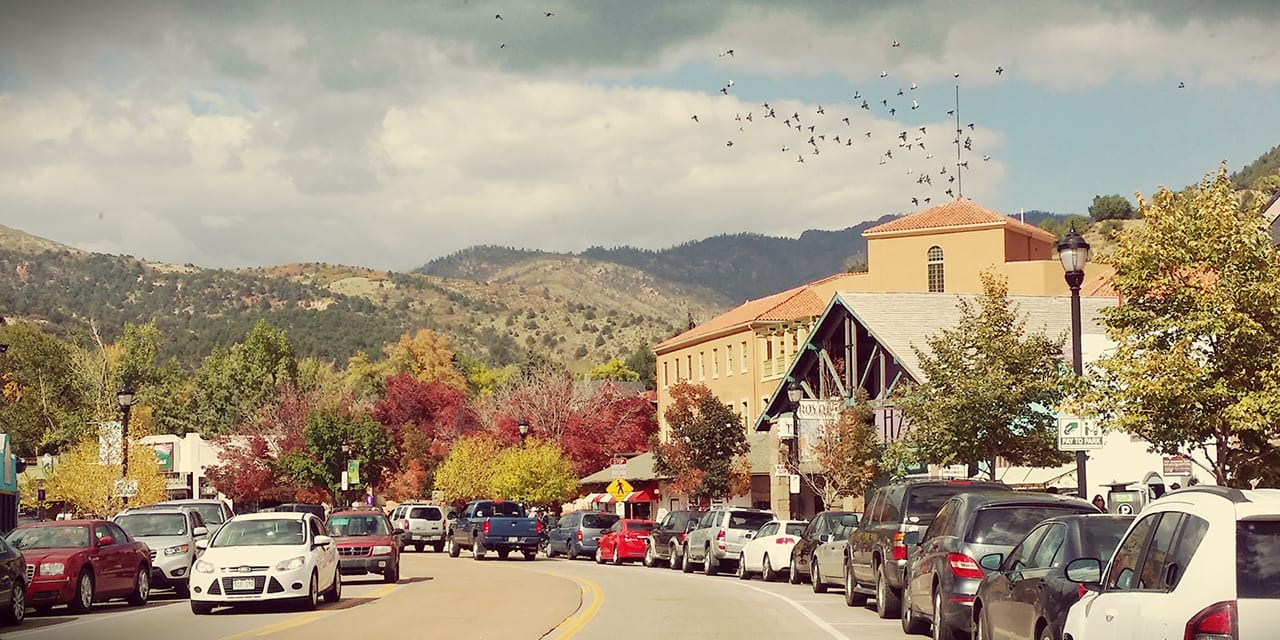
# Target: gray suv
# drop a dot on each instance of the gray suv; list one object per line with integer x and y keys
{"x": 719, "y": 537}
{"x": 215, "y": 512}
{"x": 171, "y": 533}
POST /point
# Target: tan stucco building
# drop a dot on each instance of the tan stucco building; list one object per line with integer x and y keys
{"x": 744, "y": 354}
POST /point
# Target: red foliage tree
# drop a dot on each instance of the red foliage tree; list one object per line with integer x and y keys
{"x": 246, "y": 468}
{"x": 425, "y": 419}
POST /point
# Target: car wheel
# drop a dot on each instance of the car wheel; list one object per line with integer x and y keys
{"x": 437, "y": 547}
{"x": 686, "y": 565}
{"x": 815, "y": 576}
{"x": 477, "y": 549}
{"x": 648, "y": 555}
{"x": 453, "y": 548}
{"x": 393, "y": 574}
{"x": 599, "y": 555}
{"x": 504, "y": 554}
{"x": 82, "y": 601}
{"x": 417, "y": 546}
{"x": 942, "y": 630}
{"x": 887, "y": 602}
{"x": 530, "y": 555}
{"x": 742, "y": 567}
{"x": 201, "y": 608}
{"x": 334, "y": 593}
{"x": 767, "y": 572}
{"x": 673, "y": 558}
{"x": 551, "y": 553}
{"x": 851, "y": 596}
{"x": 911, "y": 623}
{"x": 617, "y": 557}
{"x": 141, "y": 587}
{"x": 573, "y": 552}
{"x": 17, "y": 610}
{"x": 312, "y": 599}
{"x": 709, "y": 567}
{"x": 1046, "y": 633}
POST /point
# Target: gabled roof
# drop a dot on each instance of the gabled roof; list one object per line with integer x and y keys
{"x": 1271, "y": 213}
{"x": 792, "y": 304}
{"x": 960, "y": 213}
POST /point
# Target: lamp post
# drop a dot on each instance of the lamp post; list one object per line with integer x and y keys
{"x": 125, "y": 397}
{"x": 524, "y": 430}
{"x": 794, "y": 393}
{"x": 1073, "y": 251}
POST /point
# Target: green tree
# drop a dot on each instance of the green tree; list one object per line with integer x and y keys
{"x": 467, "y": 472}
{"x": 232, "y": 384}
{"x": 538, "y": 473}
{"x": 847, "y": 452}
{"x": 45, "y": 402}
{"x": 333, "y": 436}
{"x": 706, "y": 451}
{"x": 614, "y": 369}
{"x": 1196, "y": 367}
{"x": 645, "y": 362}
{"x": 986, "y": 390}
{"x": 1112, "y": 207}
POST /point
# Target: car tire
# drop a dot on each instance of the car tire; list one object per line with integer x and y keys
{"x": 1047, "y": 633}
{"x": 599, "y": 555}
{"x": 530, "y": 555}
{"x": 686, "y": 565}
{"x": 888, "y": 603}
{"x": 673, "y": 558}
{"x": 648, "y": 555}
{"x": 709, "y": 566}
{"x": 312, "y": 599}
{"x": 911, "y": 623}
{"x": 572, "y": 553}
{"x": 942, "y": 630}
{"x": 417, "y": 546}
{"x": 82, "y": 600}
{"x": 334, "y": 593}
{"x": 742, "y": 572}
{"x": 201, "y": 608}
{"x": 392, "y": 575}
{"x": 551, "y": 553}
{"x": 767, "y": 572}
{"x": 851, "y": 596}
{"x": 617, "y": 557}
{"x": 141, "y": 587}
{"x": 815, "y": 576}
{"x": 793, "y": 574}
{"x": 504, "y": 554}
{"x": 981, "y": 628}
{"x": 437, "y": 547}
{"x": 453, "y": 548}
{"x": 17, "y": 611}
{"x": 477, "y": 549}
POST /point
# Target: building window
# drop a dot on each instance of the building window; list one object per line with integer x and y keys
{"x": 715, "y": 363}
{"x": 702, "y": 366}
{"x": 935, "y": 270}
{"x": 746, "y": 411}
{"x": 743, "y": 357}
{"x": 728, "y": 360}
{"x": 666, "y": 379}
{"x": 688, "y": 367}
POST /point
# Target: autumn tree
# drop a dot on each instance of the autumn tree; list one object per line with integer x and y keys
{"x": 706, "y": 452}
{"x": 89, "y": 487}
{"x": 537, "y": 473}
{"x": 467, "y": 473}
{"x": 847, "y": 452}
{"x": 986, "y": 385}
{"x": 424, "y": 419}
{"x": 1196, "y": 368}
{"x": 248, "y": 469}
{"x": 427, "y": 356}
{"x": 614, "y": 369}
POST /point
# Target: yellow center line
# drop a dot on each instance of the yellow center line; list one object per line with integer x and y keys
{"x": 310, "y": 617}
{"x": 574, "y": 623}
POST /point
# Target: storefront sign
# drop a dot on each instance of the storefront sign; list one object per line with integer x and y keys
{"x": 164, "y": 454}
{"x": 815, "y": 415}
{"x": 1177, "y": 466}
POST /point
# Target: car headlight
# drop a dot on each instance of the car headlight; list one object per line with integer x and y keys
{"x": 180, "y": 549}
{"x": 52, "y": 569}
{"x": 291, "y": 564}
{"x": 204, "y": 567}
{"x": 381, "y": 550}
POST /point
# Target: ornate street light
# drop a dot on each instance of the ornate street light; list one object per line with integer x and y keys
{"x": 524, "y": 430}
{"x": 1073, "y": 251}
{"x": 125, "y": 397}
{"x": 794, "y": 393}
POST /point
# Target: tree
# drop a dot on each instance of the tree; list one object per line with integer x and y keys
{"x": 467, "y": 473}
{"x": 424, "y": 419}
{"x": 45, "y": 406}
{"x": 986, "y": 389}
{"x": 233, "y": 383}
{"x": 89, "y": 487}
{"x": 250, "y": 468}
{"x": 335, "y": 435}
{"x": 614, "y": 369}
{"x": 427, "y": 356}
{"x": 1196, "y": 366}
{"x": 537, "y": 473}
{"x": 645, "y": 362}
{"x": 847, "y": 452}
{"x": 707, "y": 448}
{"x": 1112, "y": 207}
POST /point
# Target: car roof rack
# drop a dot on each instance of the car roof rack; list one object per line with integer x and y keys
{"x": 1236, "y": 496}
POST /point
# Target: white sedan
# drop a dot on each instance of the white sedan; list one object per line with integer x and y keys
{"x": 266, "y": 556}
{"x": 768, "y": 549}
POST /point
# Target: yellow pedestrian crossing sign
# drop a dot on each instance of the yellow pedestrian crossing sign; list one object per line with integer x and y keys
{"x": 619, "y": 489}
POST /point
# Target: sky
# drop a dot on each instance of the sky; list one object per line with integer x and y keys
{"x": 387, "y": 134}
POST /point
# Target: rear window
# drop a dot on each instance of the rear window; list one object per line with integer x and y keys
{"x": 640, "y": 526}
{"x": 1101, "y": 536}
{"x": 796, "y": 528}
{"x": 1007, "y": 525}
{"x": 748, "y": 521}
{"x": 425, "y": 513}
{"x": 1258, "y": 559}
{"x": 598, "y": 520}
{"x": 924, "y": 501}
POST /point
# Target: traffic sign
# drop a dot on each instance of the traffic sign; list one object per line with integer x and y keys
{"x": 618, "y": 467}
{"x": 619, "y": 489}
{"x": 126, "y": 488}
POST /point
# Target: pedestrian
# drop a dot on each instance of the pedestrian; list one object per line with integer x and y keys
{"x": 1100, "y": 502}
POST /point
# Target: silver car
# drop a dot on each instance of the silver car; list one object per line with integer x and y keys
{"x": 719, "y": 537}
{"x": 215, "y": 512}
{"x": 171, "y": 533}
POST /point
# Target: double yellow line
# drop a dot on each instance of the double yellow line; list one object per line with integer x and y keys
{"x": 574, "y": 623}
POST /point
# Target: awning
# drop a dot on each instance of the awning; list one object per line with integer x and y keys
{"x": 603, "y": 498}
{"x": 643, "y": 495}
{"x": 592, "y": 498}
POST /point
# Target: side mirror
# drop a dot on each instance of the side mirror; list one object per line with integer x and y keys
{"x": 991, "y": 561}
{"x": 202, "y": 544}
{"x": 199, "y": 531}
{"x": 1085, "y": 571}
{"x": 105, "y": 541}
{"x": 322, "y": 541}
{"x": 830, "y": 537}
{"x": 911, "y": 539}
{"x": 750, "y": 535}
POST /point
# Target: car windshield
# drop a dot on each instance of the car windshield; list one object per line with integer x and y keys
{"x": 640, "y": 526}
{"x": 747, "y": 520}
{"x": 361, "y": 525}
{"x": 210, "y": 513}
{"x": 1258, "y": 559}
{"x": 141, "y": 525}
{"x": 1007, "y": 525}
{"x": 248, "y": 533}
{"x": 598, "y": 520}
{"x": 64, "y": 537}
{"x": 796, "y": 528}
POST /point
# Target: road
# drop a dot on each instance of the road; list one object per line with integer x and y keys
{"x": 514, "y": 599}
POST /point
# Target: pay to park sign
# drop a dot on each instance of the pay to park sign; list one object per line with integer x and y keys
{"x": 1078, "y": 434}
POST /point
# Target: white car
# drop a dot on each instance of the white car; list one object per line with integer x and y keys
{"x": 767, "y": 550}
{"x": 1200, "y": 563}
{"x": 267, "y": 556}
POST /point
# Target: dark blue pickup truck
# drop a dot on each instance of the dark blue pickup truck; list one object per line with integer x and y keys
{"x": 494, "y": 525}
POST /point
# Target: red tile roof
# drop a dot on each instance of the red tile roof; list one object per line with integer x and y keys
{"x": 960, "y": 212}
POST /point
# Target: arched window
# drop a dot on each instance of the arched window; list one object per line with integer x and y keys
{"x": 935, "y": 270}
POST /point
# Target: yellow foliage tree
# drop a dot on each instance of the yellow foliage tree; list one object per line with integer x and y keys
{"x": 89, "y": 488}
{"x": 467, "y": 473}
{"x": 427, "y": 356}
{"x": 538, "y": 473}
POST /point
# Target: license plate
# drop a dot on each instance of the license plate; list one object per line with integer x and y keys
{"x": 513, "y": 539}
{"x": 242, "y": 584}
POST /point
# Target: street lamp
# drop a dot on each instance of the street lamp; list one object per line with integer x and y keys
{"x": 524, "y": 430}
{"x": 1073, "y": 251}
{"x": 125, "y": 397}
{"x": 794, "y": 393}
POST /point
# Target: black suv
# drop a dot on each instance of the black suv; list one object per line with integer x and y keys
{"x": 662, "y": 545}
{"x": 876, "y": 556}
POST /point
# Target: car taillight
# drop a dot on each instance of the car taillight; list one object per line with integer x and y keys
{"x": 485, "y": 527}
{"x": 406, "y": 525}
{"x": 1214, "y": 622}
{"x": 963, "y": 566}
{"x": 899, "y": 547}
{"x": 720, "y": 540}
{"x": 539, "y": 526}
{"x": 579, "y": 535}
{"x": 684, "y": 536}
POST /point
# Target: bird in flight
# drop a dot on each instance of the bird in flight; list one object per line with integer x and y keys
{"x": 915, "y": 105}
{"x": 999, "y": 70}
{"x": 726, "y": 52}
{"x": 548, "y": 14}
{"x": 986, "y": 158}
{"x": 857, "y": 95}
{"x": 820, "y": 109}
{"x": 729, "y": 143}
{"x": 497, "y": 16}
{"x": 1182, "y": 85}
{"x": 914, "y": 86}
{"x": 846, "y": 119}
{"x": 896, "y": 43}
{"x": 502, "y": 45}
{"x": 694, "y": 117}
{"x": 884, "y": 74}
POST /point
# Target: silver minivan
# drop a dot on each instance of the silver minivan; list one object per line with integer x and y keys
{"x": 719, "y": 537}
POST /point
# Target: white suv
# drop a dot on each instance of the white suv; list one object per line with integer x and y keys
{"x": 1201, "y": 563}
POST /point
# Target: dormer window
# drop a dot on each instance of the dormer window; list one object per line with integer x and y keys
{"x": 936, "y": 281}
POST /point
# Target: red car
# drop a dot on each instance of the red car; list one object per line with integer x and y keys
{"x": 367, "y": 543}
{"x": 624, "y": 541}
{"x": 80, "y": 562}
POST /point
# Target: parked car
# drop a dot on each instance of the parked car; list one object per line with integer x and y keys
{"x": 1027, "y": 594}
{"x": 664, "y": 541}
{"x": 494, "y": 525}
{"x": 876, "y": 556}
{"x": 624, "y": 541}
{"x": 215, "y": 512}
{"x": 719, "y": 536}
{"x": 259, "y": 557}
{"x": 943, "y": 571}
{"x": 578, "y": 534}
{"x": 822, "y": 544}
{"x": 13, "y": 585}
{"x": 423, "y": 524}
{"x": 767, "y": 551}
{"x": 80, "y": 562}
{"x": 171, "y": 533}
{"x": 316, "y": 510}
{"x": 1197, "y": 563}
{"x": 367, "y": 543}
